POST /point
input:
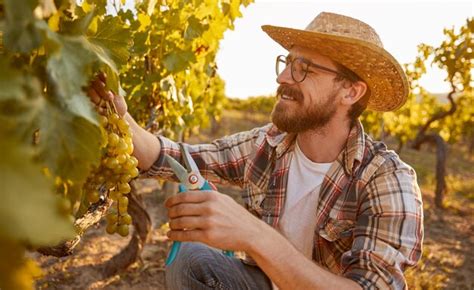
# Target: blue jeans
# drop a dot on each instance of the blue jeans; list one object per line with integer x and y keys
{"x": 198, "y": 266}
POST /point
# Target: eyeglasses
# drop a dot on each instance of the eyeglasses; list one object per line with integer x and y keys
{"x": 299, "y": 67}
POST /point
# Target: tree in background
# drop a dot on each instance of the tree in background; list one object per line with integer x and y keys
{"x": 424, "y": 119}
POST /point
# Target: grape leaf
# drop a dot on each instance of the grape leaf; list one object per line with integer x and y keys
{"x": 69, "y": 143}
{"x": 178, "y": 60}
{"x": 78, "y": 26}
{"x": 21, "y": 33}
{"x": 194, "y": 29}
{"x": 113, "y": 38}
{"x": 69, "y": 66}
{"x": 20, "y": 102}
{"x": 29, "y": 210}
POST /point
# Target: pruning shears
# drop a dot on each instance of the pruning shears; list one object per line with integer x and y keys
{"x": 190, "y": 179}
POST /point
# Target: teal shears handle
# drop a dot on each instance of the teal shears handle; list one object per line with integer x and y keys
{"x": 177, "y": 244}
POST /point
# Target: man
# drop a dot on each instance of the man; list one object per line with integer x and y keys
{"x": 326, "y": 206}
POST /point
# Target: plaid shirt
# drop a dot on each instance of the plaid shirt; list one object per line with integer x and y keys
{"x": 369, "y": 218}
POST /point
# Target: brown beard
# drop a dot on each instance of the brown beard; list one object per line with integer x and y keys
{"x": 301, "y": 119}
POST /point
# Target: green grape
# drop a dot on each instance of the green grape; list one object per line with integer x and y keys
{"x": 129, "y": 164}
{"x": 126, "y": 219}
{"x": 71, "y": 218}
{"x": 122, "y": 147}
{"x": 113, "y": 139}
{"x": 111, "y": 163}
{"x": 111, "y": 228}
{"x": 99, "y": 179}
{"x": 109, "y": 183}
{"x": 125, "y": 178}
{"x": 113, "y": 118}
{"x": 115, "y": 194}
{"x": 123, "y": 201}
{"x": 64, "y": 206}
{"x": 93, "y": 196}
{"x": 129, "y": 149}
{"x": 134, "y": 161}
{"x": 128, "y": 140}
{"x": 122, "y": 125}
{"x": 124, "y": 187}
{"x": 123, "y": 230}
{"x": 103, "y": 120}
{"x": 133, "y": 172}
{"x": 112, "y": 218}
{"x": 122, "y": 208}
{"x": 121, "y": 158}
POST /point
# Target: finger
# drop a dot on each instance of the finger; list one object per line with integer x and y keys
{"x": 94, "y": 96}
{"x": 102, "y": 76}
{"x": 188, "y": 223}
{"x": 189, "y": 197}
{"x": 103, "y": 111}
{"x": 100, "y": 88}
{"x": 110, "y": 96}
{"x": 184, "y": 236}
{"x": 186, "y": 209}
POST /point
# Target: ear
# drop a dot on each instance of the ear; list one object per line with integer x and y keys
{"x": 353, "y": 93}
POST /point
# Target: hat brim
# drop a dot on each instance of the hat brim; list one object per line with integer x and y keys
{"x": 378, "y": 68}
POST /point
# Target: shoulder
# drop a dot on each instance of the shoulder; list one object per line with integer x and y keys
{"x": 389, "y": 178}
{"x": 388, "y": 160}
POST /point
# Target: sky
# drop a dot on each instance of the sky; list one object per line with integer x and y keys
{"x": 246, "y": 59}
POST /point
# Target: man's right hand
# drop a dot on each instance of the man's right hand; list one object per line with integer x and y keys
{"x": 99, "y": 95}
{"x": 146, "y": 145}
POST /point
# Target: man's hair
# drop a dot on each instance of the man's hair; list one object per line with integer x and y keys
{"x": 359, "y": 107}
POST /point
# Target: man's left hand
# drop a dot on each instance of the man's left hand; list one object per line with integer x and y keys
{"x": 212, "y": 218}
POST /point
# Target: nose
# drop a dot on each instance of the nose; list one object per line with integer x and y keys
{"x": 285, "y": 76}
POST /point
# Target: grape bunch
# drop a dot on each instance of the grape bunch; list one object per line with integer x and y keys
{"x": 117, "y": 168}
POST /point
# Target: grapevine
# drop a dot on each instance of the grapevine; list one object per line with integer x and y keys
{"x": 163, "y": 56}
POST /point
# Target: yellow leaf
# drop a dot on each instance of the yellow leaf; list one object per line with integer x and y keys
{"x": 144, "y": 20}
{"x": 93, "y": 26}
{"x": 86, "y": 7}
{"x": 53, "y": 22}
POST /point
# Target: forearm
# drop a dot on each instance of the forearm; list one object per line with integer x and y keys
{"x": 289, "y": 269}
{"x": 146, "y": 146}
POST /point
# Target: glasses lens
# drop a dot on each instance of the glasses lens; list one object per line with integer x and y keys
{"x": 298, "y": 70}
{"x": 280, "y": 64}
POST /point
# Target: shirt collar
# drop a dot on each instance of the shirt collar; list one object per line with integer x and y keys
{"x": 353, "y": 153}
{"x": 351, "y": 157}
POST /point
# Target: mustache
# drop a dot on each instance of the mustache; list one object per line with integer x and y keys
{"x": 290, "y": 92}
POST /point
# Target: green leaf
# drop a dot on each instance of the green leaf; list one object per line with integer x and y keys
{"x": 69, "y": 143}
{"x": 71, "y": 64}
{"x": 21, "y": 33}
{"x": 77, "y": 26}
{"x": 113, "y": 38}
{"x": 81, "y": 106}
{"x": 28, "y": 211}
{"x": 178, "y": 60}
{"x": 194, "y": 29}
{"x": 20, "y": 102}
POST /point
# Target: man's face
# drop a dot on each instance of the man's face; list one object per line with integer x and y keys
{"x": 308, "y": 105}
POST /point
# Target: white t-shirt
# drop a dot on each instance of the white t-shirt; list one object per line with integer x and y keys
{"x": 298, "y": 219}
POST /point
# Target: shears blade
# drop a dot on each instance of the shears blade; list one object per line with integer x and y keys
{"x": 188, "y": 159}
{"x": 178, "y": 169}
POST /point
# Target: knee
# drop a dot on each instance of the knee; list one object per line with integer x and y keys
{"x": 186, "y": 267}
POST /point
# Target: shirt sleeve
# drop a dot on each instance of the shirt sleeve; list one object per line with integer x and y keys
{"x": 222, "y": 160}
{"x": 389, "y": 230}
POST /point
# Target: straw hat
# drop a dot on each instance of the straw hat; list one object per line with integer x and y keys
{"x": 355, "y": 45}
